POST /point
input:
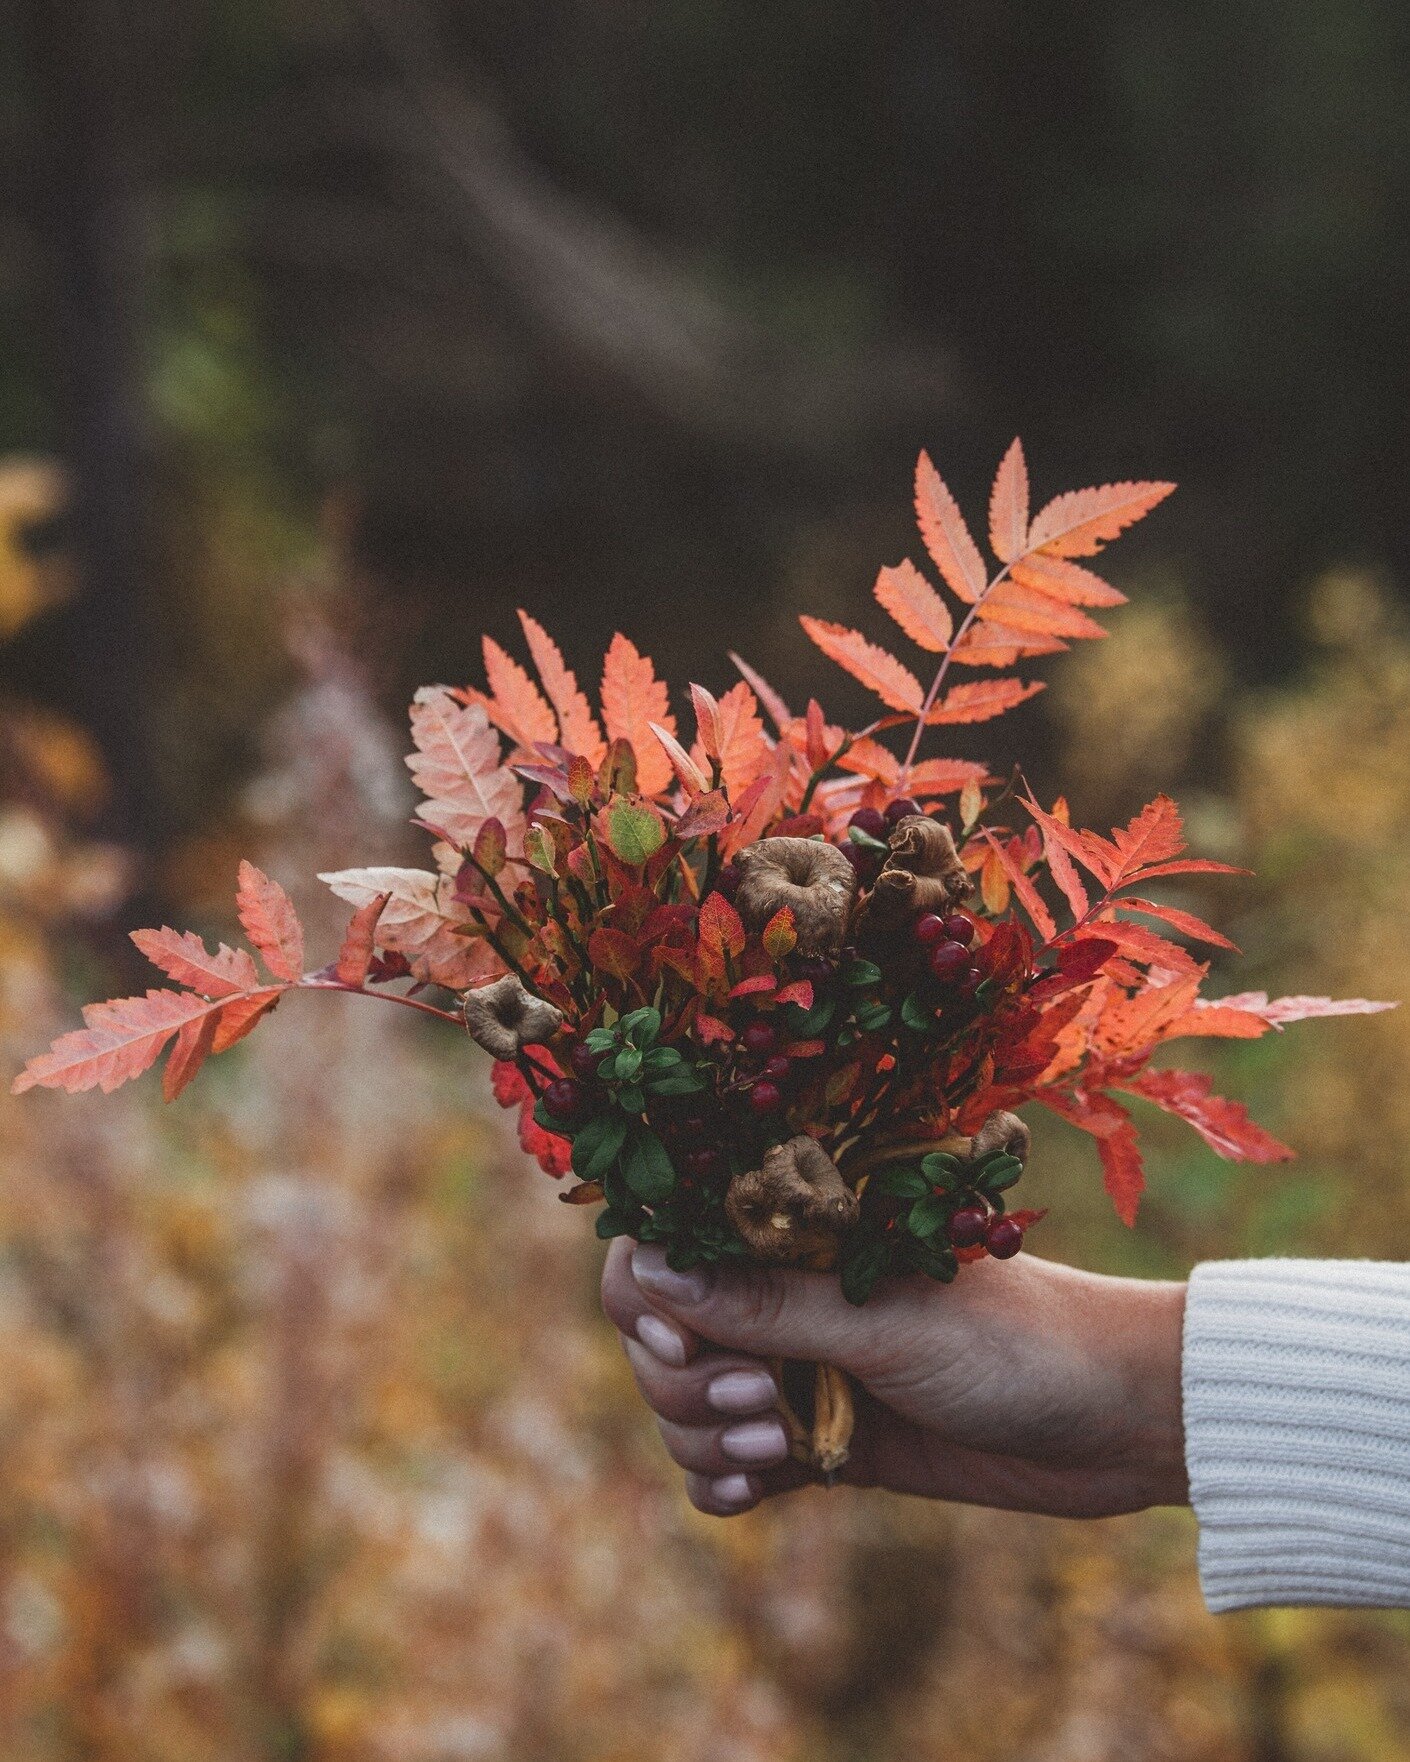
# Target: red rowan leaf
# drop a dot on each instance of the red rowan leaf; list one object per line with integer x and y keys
{"x": 946, "y": 536}
{"x": 578, "y": 727}
{"x": 359, "y": 942}
{"x": 917, "y": 608}
{"x": 1079, "y": 523}
{"x": 981, "y": 701}
{"x": 271, "y": 923}
{"x": 1117, "y": 1144}
{"x": 1185, "y": 922}
{"x": 1140, "y": 943}
{"x": 943, "y": 777}
{"x": 519, "y": 707}
{"x": 779, "y": 711}
{"x": 1155, "y": 835}
{"x": 1186, "y": 866}
{"x": 1008, "y": 506}
{"x": 241, "y": 1015}
{"x": 879, "y": 671}
{"x": 183, "y": 956}
{"x": 121, "y": 1039}
{"x": 194, "y": 1040}
{"x": 1032, "y": 900}
{"x": 1059, "y": 859}
{"x": 1224, "y": 1125}
{"x": 457, "y": 768}
{"x": 1065, "y": 580}
{"x": 632, "y": 699}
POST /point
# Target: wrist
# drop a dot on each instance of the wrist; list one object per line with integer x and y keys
{"x": 1150, "y": 1333}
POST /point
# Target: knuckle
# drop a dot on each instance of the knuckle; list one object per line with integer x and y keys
{"x": 763, "y": 1299}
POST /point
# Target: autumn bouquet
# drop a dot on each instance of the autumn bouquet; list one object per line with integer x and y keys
{"x": 770, "y": 989}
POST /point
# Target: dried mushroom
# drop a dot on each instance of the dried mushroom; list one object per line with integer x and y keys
{"x": 504, "y": 1018}
{"x": 795, "y": 1207}
{"x": 812, "y": 878}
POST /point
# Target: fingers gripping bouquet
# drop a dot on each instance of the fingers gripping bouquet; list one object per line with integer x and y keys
{"x": 773, "y": 995}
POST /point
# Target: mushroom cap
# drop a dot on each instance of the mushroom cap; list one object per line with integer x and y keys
{"x": 503, "y": 1018}
{"x": 794, "y": 1206}
{"x": 811, "y": 877}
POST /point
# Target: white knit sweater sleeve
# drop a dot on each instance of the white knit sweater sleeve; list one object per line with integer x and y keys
{"x": 1297, "y": 1431}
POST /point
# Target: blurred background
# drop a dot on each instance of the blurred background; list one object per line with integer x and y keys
{"x": 333, "y": 330}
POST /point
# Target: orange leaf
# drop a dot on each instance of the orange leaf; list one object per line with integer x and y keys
{"x": 946, "y": 536}
{"x": 457, "y": 769}
{"x": 944, "y": 776}
{"x": 982, "y": 700}
{"x": 271, "y": 923}
{"x": 994, "y": 884}
{"x": 578, "y": 727}
{"x": 744, "y": 751}
{"x": 518, "y": 706}
{"x": 1065, "y": 581}
{"x": 1008, "y": 506}
{"x": 1185, "y": 922}
{"x": 121, "y": 1039}
{"x": 993, "y": 644}
{"x": 1117, "y": 1145}
{"x": 242, "y": 1014}
{"x": 1079, "y": 523}
{"x": 355, "y": 956}
{"x": 780, "y": 934}
{"x": 1155, "y": 835}
{"x": 917, "y": 608}
{"x": 632, "y": 699}
{"x": 1021, "y": 608}
{"x": 896, "y": 686}
{"x": 185, "y": 958}
{"x": 779, "y": 711}
{"x": 1023, "y": 887}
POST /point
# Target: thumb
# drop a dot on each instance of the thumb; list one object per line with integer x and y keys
{"x": 770, "y": 1312}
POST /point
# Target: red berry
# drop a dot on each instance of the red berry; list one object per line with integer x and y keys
{"x": 765, "y": 1097}
{"x": 969, "y": 1227}
{"x": 972, "y": 980}
{"x": 899, "y": 810}
{"x": 959, "y": 927}
{"x": 699, "y": 1163}
{"x": 584, "y": 1061}
{"x": 871, "y": 821}
{"x": 1005, "y": 1238}
{"x": 815, "y": 968}
{"x": 563, "y": 1098}
{"x": 776, "y": 1068}
{"x": 928, "y": 929}
{"x": 759, "y": 1039}
{"x": 948, "y": 960}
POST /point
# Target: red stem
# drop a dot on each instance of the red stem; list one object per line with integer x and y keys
{"x": 428, "y": 1009}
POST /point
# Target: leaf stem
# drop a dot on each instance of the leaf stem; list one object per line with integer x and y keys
{"x": 428, "y": 1009}
{"x": 965, "y": 625}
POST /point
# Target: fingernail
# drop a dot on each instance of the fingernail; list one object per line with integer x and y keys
{"x": 760, "y": 1441}
{"x": 661, "y": 1340}
{"x": 650, "y": 1271}
{"x": 742, "y": 1391}
{"x": 732, "y": 1489}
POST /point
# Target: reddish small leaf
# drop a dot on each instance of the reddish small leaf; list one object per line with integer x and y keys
{"x": 779, "y": 711}
{"x": 705, "y": 816}
{"x": 1079, "y": 523}
{"x": 707, "y": 722}
{"x": 800, "y": 991}
{"x": 585, "y": 1193}
{"x": 613, "y": 952}
{"x": 194, "y": 1041}
{"x": 917, "y": 608}
{"x": 183, "y": 956}
{"x": 780, "y": 934}
{"x": 271, "y": 923}
{"x": 491, "y": 848}
{"x": 684, "y": 766}
{"x": 355, "y": 956}
{"x": 1224, "y": 1125}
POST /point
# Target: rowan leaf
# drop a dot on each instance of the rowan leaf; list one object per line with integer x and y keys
{"x": 241, "y": 1015}
{"x": 1021, "y": 608}
{"x": 194, "y": 1041}
{"x": 1008, "y": 506}
{"x": 1185, "y": 922}
{"x": 917, "y": 608}
{"x": 271, "y": 923}
{"x": 1117, "y": 1144}
{"x": 1059, "y": 860}
{"x": 422, "y": 920}
{"x": 120, "y": 1040}
{"x": 457, "y": 768}
{"x": 1022, "y": 885}
{"x": 1155, "y": 835}
{"x": 1065, "y": 580}
{"x": 183, "y": 956}
{"x": 946, "y": 536}
{"x": 578, "y": 727}
{"x": 982, "y": 700}
{"x": 896, "y": 686}
{"x": 517, "y": 704}
{"x": 1279, "y": 1011}
{"x": 359, "y": 942}
{"x": 1224, "y": 1125}
{"x": 994, "y": 644}
{"x": 944, "y": 776}
{"x": 1079, "y": 523}
{"x": 632, "y": 699}
{"x": 745, "y": 751}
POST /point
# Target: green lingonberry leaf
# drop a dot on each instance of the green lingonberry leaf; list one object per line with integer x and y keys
{"x": 903, "y": 1182}
{"x": 647, "y": 1166}
{"x": 861, "y": 973}
{"x": 927, "y": 1215}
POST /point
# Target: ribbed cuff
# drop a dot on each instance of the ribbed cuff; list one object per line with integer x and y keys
{"x": 1297, "y": 1431}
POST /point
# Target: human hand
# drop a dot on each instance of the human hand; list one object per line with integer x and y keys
{"x": 1025, "y": 1385}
